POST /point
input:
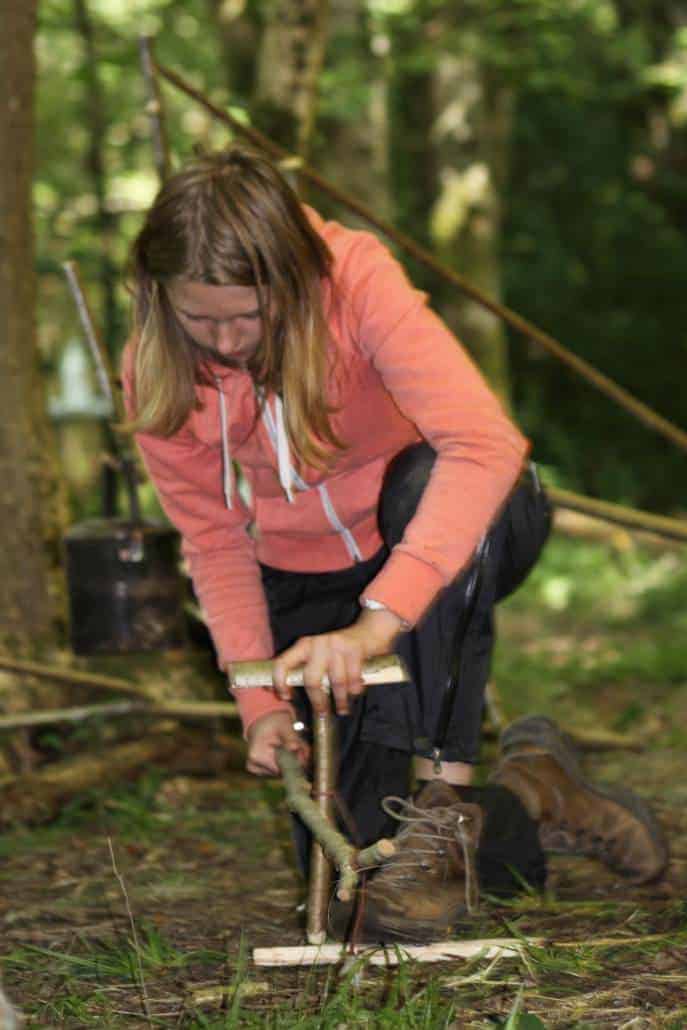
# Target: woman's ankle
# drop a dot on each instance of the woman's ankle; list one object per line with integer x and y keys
{"x": 459, "y": 774}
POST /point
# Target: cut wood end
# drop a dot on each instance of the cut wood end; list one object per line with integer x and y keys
{"x": 386, "y": 847}
{"x": 344, "y": 894}
{"x": 316, "y": 936}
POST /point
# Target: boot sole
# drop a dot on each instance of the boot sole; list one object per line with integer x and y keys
{"x": 541, "y": 732}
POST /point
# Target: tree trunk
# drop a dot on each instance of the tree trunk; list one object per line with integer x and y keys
{"x": 412, "y": 160}
{"x": 238, "y": 30}
{"x": 31, "y": 586}
{"x": 289, "y": 65}
{"x": 351, "y": 145}
{"x": 104, "y": 221}
{"x": 472, "y": 132}
{"x": 28, "y": 497}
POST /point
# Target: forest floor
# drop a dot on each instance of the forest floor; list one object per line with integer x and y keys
{"x": 140, "y": 906}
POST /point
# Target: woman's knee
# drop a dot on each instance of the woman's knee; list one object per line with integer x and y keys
{"x": 525, "y": 525}
{"x": 404, "y": 484}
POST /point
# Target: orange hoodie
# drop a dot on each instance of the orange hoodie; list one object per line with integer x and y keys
{"x": 401, "y": 376}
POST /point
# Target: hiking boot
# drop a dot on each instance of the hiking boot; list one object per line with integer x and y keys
{"x": 540, "y": 765}
{"x": 431, "y": 880}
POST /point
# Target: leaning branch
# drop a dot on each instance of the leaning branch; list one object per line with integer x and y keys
{"x": 191, "y": 710}
{"x": 674, "y": 529}
{"x": 582, "y": 368}
{"x": 72, "y": 677}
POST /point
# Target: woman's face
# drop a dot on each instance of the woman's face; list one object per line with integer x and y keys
{"x": 223, "y": 319}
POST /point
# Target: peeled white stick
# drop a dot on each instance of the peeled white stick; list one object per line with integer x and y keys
{"x": 387, "y": 668}
{"x": 442, "y": 951}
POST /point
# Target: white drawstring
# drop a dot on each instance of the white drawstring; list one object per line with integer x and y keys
{"x": 290, "y": 479}
{"x": 283, "y": 453}
{"x": 228, "y": 480}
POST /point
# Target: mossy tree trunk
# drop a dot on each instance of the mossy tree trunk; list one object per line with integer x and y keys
{"x": 29, "y": 577}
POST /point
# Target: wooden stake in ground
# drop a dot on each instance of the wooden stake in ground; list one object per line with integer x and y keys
{"x": 324, "y": 783}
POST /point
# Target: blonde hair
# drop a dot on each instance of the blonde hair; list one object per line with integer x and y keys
{"x": 231, "y": 219}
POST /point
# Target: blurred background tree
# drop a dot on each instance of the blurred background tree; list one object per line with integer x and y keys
{"x": 29, "y": 500}
{"x": 537, "y": 146}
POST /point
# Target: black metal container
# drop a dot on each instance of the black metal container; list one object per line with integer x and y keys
{"x": 126, "y": 592}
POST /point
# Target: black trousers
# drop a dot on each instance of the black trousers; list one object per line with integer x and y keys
{"x": 439, "y": 713}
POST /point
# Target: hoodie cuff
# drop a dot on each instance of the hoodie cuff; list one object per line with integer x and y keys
{"x": 254, "y": 702}
{"x": 406, "y": 586}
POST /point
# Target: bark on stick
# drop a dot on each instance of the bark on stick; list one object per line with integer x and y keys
{"x": 341, "y": 852}
{"x": 324, "y": 782}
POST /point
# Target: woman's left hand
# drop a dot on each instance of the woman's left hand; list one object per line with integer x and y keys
{"x": 339, "y": 656}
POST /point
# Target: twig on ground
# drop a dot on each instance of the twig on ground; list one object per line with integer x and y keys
{"x": 142, "y": 982}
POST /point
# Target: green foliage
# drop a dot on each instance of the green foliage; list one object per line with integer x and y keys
{"x": 518, "y": 1019}
{"x": 608, "y": 635}
{"x": 596, "y": 252}
{"x": 593, "y": 248}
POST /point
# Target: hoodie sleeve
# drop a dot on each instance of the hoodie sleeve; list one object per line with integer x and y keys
{"x": 187, "y": 475}
{"x": 480, "y": 452}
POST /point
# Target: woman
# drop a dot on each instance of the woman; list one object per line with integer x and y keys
{"x": 384, "y": 507}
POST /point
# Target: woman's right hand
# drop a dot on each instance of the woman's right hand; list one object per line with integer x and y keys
{"x": 268, "y": 733}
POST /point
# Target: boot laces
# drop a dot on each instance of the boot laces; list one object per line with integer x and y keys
{"x": 436, "y": 830}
